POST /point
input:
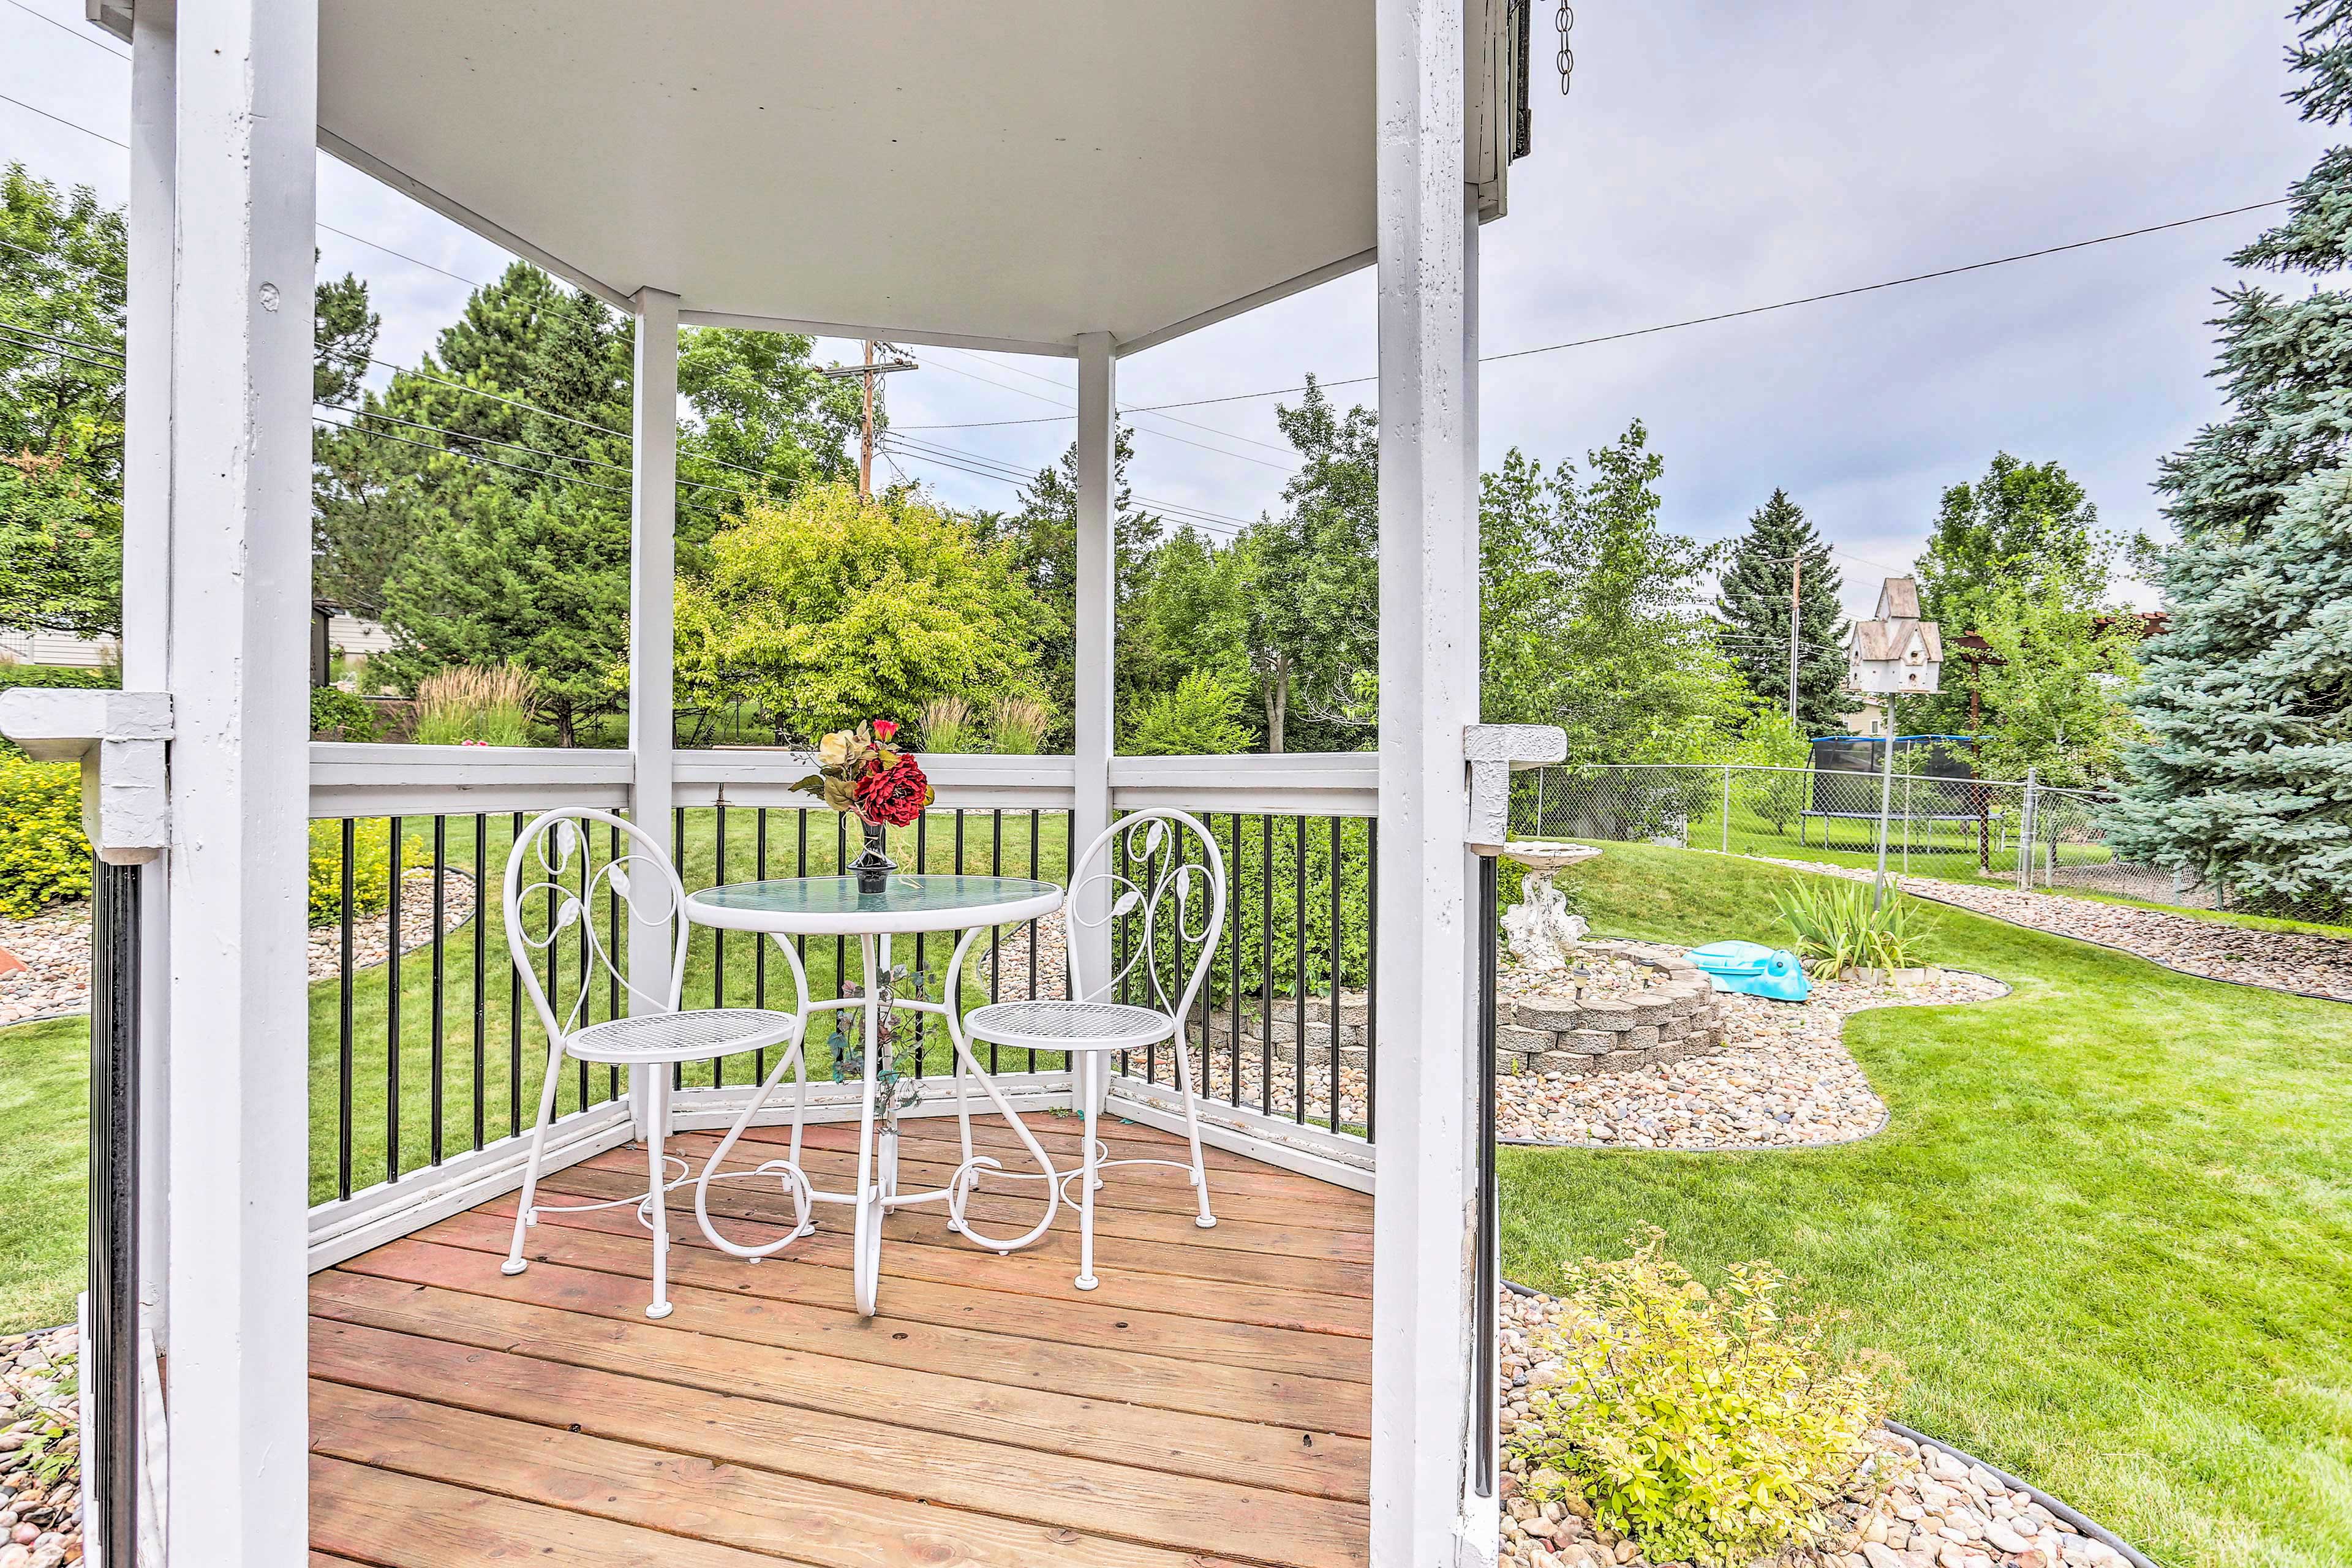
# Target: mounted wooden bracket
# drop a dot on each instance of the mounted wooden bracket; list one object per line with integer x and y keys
{"x": 1495, "y": 752}
{"x": 118, "y": 738}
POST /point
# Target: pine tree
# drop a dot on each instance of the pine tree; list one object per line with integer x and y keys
{"x": 2247, "y": 775}
{"x": 1752, "y": 600}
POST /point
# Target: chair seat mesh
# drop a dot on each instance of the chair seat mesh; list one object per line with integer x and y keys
{"x": 682, "y": 1036}
{"x": 1068, "y": 1024}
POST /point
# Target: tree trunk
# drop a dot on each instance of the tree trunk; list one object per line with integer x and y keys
{"x": 1277, "y": 702}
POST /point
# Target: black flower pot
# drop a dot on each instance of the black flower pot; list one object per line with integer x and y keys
{"x": 873, "y": 866}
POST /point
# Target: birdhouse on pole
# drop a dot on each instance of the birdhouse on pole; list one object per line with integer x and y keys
{"x": 1897, "y": 653}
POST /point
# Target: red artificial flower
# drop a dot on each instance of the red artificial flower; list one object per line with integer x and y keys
{"x": 896, "y": 795}
{"x": 883, "y": 729}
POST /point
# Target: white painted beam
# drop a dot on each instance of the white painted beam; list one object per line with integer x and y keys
{"x": 238, "y": 672}
{"x": 1094, "y": 739}
{"x": 1424, "y": 1205}
{"x": 653, "y": 571}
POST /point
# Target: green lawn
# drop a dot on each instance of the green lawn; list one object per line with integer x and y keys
{"x": 44, "y": 1171}
{"x": 2109, "y": 1231}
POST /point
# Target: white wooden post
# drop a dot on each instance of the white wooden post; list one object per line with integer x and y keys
{"x": 1097, "y": 626}
{"x": 1425, "y": 1215}
{"x": 653, "y": 568}
{"x": 239, "y": 670}
{"x": 146, "y": 586}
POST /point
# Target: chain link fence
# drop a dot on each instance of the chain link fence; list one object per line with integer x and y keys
{"x": 2019, "y": 833}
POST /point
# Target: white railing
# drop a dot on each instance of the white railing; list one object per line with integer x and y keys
{"x": 459, "y": 782}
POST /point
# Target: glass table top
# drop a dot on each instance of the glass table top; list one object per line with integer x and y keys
{"x": 908, "y": 902}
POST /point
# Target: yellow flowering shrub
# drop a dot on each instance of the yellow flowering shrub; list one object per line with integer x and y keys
{"x": 43, "y": 856}
{"x": 371, "y": 868}
{"x": 1712, "y": 1426}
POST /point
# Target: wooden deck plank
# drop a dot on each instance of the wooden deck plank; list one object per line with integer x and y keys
{"x": 1206, "y": 1407}
{"x": 1282, "y": 1457}
{"x": 1128, "y": 1375}
{"x": 1256, "y": 1187}
{"x": 1020, "y": 1204}
{"x": 1022, "y": 1274}
{"x": 391, "y": 1520}
{"x": 612, "y": 1241}
{"x": 928, "y": 1227}
{"x": 847, "y": 1459}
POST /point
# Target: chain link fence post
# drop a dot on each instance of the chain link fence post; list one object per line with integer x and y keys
{"x": 1727, "y": 808}
{"x": 2025, "y": 834}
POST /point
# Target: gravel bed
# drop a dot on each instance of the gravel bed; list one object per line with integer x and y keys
{"x": 40, "y": 1502}
{"x": 2275, "y": 959}
{"x": 53, "y": 945}
{"x": 1782, "y": 1079}
{"x": 1907, "y": 1506}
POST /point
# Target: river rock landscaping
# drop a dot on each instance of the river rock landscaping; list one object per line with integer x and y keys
{"x": 40, "y": 1468}
{"x": 1751, "y": 1073}
{"x": 53, "y": 945}
{"x": 1907, "y": 1505}
{"x": 2303, "y": 962}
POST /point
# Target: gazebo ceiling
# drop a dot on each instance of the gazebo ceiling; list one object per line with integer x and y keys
{"x": 1022, "y": 170}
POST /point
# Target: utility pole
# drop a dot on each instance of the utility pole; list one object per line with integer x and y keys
{"x": 1796, "y": 614}
{"x": 866, "y": 372}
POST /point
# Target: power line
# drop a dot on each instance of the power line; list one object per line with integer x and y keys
{"x": 412, "y": 260}
{"x": 19, "y": 327}
{"x": 1025, "y": 478}
{"x": 1050, "y": 381}
{"x": 87, "y": 38}
{"x": 1734, "y": 315}
{"x": 62, "y": 355}
{"x": 62, "y": 120}
{"x": 472, "y": 457}
{"x": 988, "y": 468}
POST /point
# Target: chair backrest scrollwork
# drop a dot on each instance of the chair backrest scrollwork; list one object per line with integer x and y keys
{"x": 555, "y": 861}
{"x": 1164, "y": 865}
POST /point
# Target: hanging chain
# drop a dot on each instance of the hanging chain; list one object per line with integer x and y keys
{"x": 1565, "y": 22}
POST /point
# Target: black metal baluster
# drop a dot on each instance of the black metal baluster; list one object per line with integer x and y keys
{"x": 1337, "y": 968}
{"x": 514, "y": 1010}
{"x": 760, "y": 943}
{"x": 922, "y": 868}
{"x": 1298, "y": 971}
{"x": 392, "y": 1015}
{"x": 343, "y": 1062}
{"x": 1266, "y": 968}
{"x": 800, "y": 944}
{"x": 717, "y": 936}
{"x": 481, "y": 942}
{"x": 440, "y": 973}
{"x": 1233, "y": 996}
{"x": 1371, "y": 970}
{"x": 613, "y": 943}
{"x": 677, "y": 857}
{"x": 840, "y": 866}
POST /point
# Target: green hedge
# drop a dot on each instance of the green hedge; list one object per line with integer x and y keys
{"x": 55, "y": 675}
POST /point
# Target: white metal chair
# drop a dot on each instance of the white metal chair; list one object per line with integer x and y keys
{"x": 647, "y": 885}
{"x": 1171, "y": 885}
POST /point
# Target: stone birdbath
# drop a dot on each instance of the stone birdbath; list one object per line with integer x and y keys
{"x": 1543, "y": 934}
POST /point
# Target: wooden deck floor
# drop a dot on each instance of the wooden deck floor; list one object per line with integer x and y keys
{"x": 1210, "y": 1403}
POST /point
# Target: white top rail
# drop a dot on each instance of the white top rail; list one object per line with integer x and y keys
{"x": 370, "y": 779}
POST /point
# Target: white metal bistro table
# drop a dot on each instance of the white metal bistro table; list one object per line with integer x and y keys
{"x": 907, "y": 904}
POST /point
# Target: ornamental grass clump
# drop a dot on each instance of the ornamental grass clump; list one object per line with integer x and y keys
{"x": 1838, "y": 930}
{"x": 476, "y": 705}
{"x": 947, "y": 725}
{"x": 1017, "y": 725}
{"x": 1713, "y": 1426}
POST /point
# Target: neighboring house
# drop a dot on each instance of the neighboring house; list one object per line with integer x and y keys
{"x": 56, "y": 647}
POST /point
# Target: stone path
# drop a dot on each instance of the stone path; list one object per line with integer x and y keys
{"x": 40, "y": 1465}
{"x": 1781, "y": 1080}
{"x": 2276, "y": 960}
{"x": 1909, "y": 1506}
{"x": 55, "y": 945}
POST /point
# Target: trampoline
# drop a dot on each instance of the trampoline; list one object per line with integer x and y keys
{"x": 1936, "y": 782}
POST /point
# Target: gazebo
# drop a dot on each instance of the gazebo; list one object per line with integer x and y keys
{"x": 1040, "y": 176}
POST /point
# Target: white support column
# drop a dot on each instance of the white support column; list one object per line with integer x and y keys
{"x": 1093, "y": 738}
{"x": 652, "y": 570}
{"x": 1425, "y": 1215}
{"x": 146, "y": 585}
{"x": 238, "y": 658}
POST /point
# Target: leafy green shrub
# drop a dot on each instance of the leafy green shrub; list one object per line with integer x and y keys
{"x": 371, "y": 868}
{"x": 467, "y": 704}
{"x": 339, "y": 715}
{"x": 43, "y": 856}
{"x": 1837, "y": 929}
{"x": 1202, "y": 717}
{"x": 58, "y": 676}
{"x": 1713, "y": 1426}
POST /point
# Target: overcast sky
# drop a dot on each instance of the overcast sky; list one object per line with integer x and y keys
{"x": 1711, "y": 157}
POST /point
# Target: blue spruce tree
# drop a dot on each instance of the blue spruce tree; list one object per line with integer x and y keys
{"x": 2246, "y": 774}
